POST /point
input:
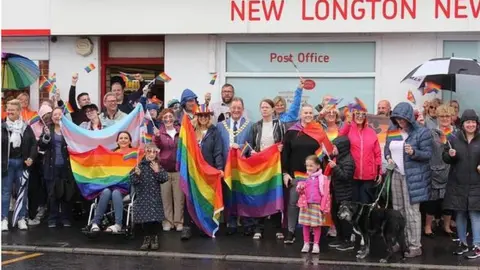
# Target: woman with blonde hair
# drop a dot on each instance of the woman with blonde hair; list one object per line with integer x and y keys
{"x": 208, "y": 137}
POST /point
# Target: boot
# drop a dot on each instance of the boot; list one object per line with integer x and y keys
{"x": 154, "y": 245}
{"x": 146, "y": 243}
{"x": 186, "y": 233}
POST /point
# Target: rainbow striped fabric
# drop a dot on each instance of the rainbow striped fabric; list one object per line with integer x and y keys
{"x": 164, "y": 77}
{"x": 447, "y": 135}
{"x": 300, "y": 176}
{"x": 67, "y": 108}
{"x": 394, "y": 135}
{"x": 411, "y": 97}
{"x": 35, "y": 118}
{"x": 214, "y": 78}
{"x": 89, "y": 68}
{"x": 146, "y": 138}
{"x": 320, "y": 153}
{"x": 431, "y": 87}
{"x": 332, "y": 135}
{"x": 255, "y": 184}
{"x": 199, "y": 181}
{"x": 132, "y": 155}
{"x": 100, "y": 168}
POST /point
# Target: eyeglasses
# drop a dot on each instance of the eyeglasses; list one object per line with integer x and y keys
{"x": 433, "y": 107}
{"x": 150, "y": 151}
{"x": 444, "y": 116}
{"x": 360, "y": 114}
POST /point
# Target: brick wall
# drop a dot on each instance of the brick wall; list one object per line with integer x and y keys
{"x": 44, "y": 67}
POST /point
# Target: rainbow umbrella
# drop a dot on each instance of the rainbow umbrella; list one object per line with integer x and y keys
{"x": 18, "y": 72}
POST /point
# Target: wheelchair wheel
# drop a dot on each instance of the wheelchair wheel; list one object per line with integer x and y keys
{"x": 129, "y": 233}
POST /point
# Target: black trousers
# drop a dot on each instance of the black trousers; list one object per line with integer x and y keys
{"x": 150, "y": 228}
{"x": 364, "y": 191}
{"x": 37, "y": 190}
{"x": 276, "y": 220}
{"x": 344, "y": 228}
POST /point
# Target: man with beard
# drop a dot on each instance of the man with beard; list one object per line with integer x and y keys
{"x": 221, "y": 108}
{"x": 384, "y": 108}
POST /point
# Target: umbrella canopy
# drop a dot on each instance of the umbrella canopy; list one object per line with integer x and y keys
{"x": 18, "y": 72}
{"x": 20, "y": 196}
{"x": 442, "y": 71}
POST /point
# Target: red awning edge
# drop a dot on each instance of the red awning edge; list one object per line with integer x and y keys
{"x": 25, "y": 32}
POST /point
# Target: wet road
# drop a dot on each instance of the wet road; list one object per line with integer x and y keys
{"x": 58, "y": 261}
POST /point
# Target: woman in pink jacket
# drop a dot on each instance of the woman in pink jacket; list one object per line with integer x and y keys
{"x": 366, "y": 153}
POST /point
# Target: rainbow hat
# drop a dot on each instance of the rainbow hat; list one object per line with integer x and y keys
{"x": 203, "y": 109}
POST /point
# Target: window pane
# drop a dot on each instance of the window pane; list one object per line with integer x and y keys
{"x": 253, "y": 90}
{"x": 309, "y": 57}
{"x": 468, "y": 92}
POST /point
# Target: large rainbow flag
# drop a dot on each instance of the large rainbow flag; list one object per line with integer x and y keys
{"x": 199, "y": 181}
{"x": 254, "y": 183}
{"x": 100, "y": 168}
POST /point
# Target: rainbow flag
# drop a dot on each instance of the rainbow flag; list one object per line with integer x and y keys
{"x": 334, "y": 101}
{"x": 300, "y": 176}
{"x": 35, "y": 118}
{"x": 100, "y": 168}
{"x": 320, "y": 153}
{"x": 447, "y": 135}
{"x": 214, "y": 78}
{"x": 67, "y": 108}
{"x": 411, "y": 97}
{"x": 124, "y": 77}
{"x": 359, "y": 105}
{"x": 164, "y": 77}
{"x": 431, "y": 87}
{"x": 146, "y": 138}
{"x": 53, "y": 78}
{"x": 131, "y": 155}
{"x": 394, "y": 135}
{"x": 89, "y": 68}
{"x": 199, "y": 181}
{"x": 254, "y": 184}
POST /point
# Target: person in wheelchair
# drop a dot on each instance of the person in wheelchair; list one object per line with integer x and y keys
{"x": 124, "y": 140}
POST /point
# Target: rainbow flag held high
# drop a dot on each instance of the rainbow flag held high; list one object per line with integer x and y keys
{"x": 131, "y": 155}
{"x": 89, "y": 68}
{"x": 431, "y": 87}
{"x": 53, "y": 78}
{"x": 67, "y": 108}
{"x": 214, "y": 78}
{"x": 411, "y": 97}
{"x": 164, "y": 77}
{"x": 394, "y": 135}
{"x": 199, "y": 181}
{"x": 255, "y": 184}
{"x": 35, "y": 118}
{"x": 101, "y": 168}
{"x": 334, "y": 101}
{"x": 300, "y": 176}
{"x": 124, "y": 77}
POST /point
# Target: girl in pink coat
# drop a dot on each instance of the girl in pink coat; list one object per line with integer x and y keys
{"x": 314, "y": 202}
{"x": 366, "y": 153}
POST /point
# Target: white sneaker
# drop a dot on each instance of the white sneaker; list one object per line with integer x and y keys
{"x": 332, "y": 232}
{"x": 22, "y": 225}
{"x": 306, "y": 248}
{"x": 179, "y": 228}
{"x": 167, "y": 227}
{"x": 5, "y": 225}
{"x": 315, "y": 249}
{"x": 40, "y": 212}
{"x": 257, "y": 236}
{"x": 33, "y": 222}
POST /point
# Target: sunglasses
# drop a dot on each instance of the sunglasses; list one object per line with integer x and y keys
{"x": 150, "y": 151}
{"x": 360, "y": 114}
{"x": 433, "y": 107}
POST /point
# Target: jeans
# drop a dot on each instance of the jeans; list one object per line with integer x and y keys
{"x": 117, "y": 201}
{"x": 15, "y": 170}
{"x": 461, "y": 221}
{"x": 293, "y": 208}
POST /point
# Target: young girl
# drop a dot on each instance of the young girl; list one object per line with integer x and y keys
{"x": 148, "y": 208}
{"x": 315, "y": 202}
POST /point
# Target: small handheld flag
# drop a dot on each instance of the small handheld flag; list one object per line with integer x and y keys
{"x": 164, "y": 77}
{"x": 67, "y": 108}
{"x": 35, "y": 118}
{"x": 124, "y": 77}
{"x": 394, "y": 135}
{"x": 214, "y": 78}
{"x": 300, "y": 176}
{"x": 131, "y": 155}
{"x": 147, "y": 138}
{"x": 89, "y": 68}
{"x": 334, "y": 101}
{"x": 431, "y": 87}
{"x": 411, "y": 97}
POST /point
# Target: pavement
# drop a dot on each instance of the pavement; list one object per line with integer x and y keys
{"x": 55, "y": 261}
{"x": 237, "y": 248}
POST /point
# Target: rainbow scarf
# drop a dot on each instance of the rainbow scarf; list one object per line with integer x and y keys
{"x": 316, "y": 132}
{"x": 101, "y": 168}
{"x": 255, "y": 186}
{"x": 199, "y": 181}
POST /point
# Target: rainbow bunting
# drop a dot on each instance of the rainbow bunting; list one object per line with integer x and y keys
{"x": 394, "y": 135}
{"x": 300, "y": 176}
{"x": 89, "y": 68}
{"x": 164, "y": 77}
{"x": 35, "y": 118}
{"x": 411, "y": 97}
{"x": 100, "y": 168}
{"x": 199, "y": 181}
{"x": 254, "y": 184}
{"x": 214, "y": 78}
{"x": 131, "y": 155}
{"x": 431, "y": 87}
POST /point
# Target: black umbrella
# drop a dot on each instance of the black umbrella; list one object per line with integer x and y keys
{"x": 443, "y": 71}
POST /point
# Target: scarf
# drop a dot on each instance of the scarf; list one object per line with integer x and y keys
{"x": 16, "y": 129}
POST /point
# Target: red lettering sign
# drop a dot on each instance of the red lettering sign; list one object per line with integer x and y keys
{"x": 302, "y": 57}
{"x": 256, "y": 10}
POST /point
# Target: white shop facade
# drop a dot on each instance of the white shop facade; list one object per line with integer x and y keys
{"x": 360, "y": 48}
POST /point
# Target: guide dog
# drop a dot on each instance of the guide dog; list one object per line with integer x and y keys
{"x": 368, "y": 221}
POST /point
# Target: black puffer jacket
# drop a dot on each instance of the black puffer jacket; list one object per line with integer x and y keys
{"x": 342, "y": 176}
{"x": 29, "y": 146}
{"x": 212, "y": 148}
{"x": 278, "y": 133}
{"x": 463, "y": 186}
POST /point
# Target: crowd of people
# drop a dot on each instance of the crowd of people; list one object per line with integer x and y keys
{"x": 435, "y": 152}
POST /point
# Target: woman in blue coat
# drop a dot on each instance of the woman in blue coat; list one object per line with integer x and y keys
{"x": 210, "y": 142}
{"x": 409, "y": 147}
